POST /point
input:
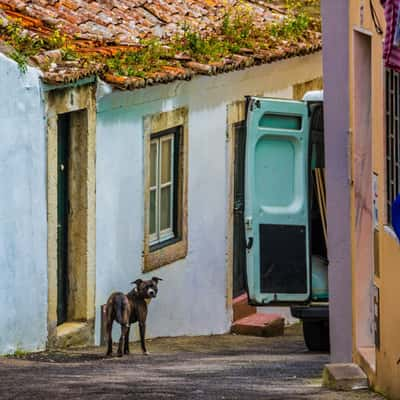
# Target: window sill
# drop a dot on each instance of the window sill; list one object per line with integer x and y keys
{"x": 165, "y": 243}
{"x": 162, "y": 254}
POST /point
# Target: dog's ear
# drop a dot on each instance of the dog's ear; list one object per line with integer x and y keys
{"x": 137, "y": 282}
{"x": 155, "y": 279}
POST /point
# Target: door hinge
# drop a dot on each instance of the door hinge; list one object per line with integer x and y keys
{"x": 253, "y": 103}
{"x": 238, "y": 206}
{"x": 249, "y": 223}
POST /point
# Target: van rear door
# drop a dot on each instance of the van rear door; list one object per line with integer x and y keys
{"x": 276, "y": 201}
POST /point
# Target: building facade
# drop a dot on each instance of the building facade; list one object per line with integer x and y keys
{"x": 119, "y": 123}
{"x": 111, "y": 135}
{"x": 363, "y": 181}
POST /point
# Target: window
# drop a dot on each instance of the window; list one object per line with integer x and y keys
{"x": 165, "y": 192}
{"x": 163, "y": 174}
{"x": 392, "y": 139}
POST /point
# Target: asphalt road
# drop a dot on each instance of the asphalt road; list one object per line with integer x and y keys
{"x": 215, "y": 367}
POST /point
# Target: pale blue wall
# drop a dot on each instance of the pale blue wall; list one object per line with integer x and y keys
{"x": 192, "y": 297}
{"x": 23, "y": 234}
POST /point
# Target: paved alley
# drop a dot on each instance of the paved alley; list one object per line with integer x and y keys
{"x": 217, "y": 367}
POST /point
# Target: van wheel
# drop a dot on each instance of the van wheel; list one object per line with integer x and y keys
{"x": 316, "y": 335}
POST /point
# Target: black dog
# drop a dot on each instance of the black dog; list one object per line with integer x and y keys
{"x": 127, "y": 309}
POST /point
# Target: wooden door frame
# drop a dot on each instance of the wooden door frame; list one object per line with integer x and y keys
{"x": 71, "y": 100}
{"x": 362, "y": 240}
{"x": 235, "y": 114}
{"x": 239, "y": 144}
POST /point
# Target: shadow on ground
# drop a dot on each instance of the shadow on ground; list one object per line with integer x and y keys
{"x": 213, "y": 367}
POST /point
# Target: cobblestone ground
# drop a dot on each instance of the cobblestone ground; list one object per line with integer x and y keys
{"x": 216, "y": 367}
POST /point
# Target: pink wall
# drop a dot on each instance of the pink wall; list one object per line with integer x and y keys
{"x": 335, "y": 16}
{"x": 362, "y": 175}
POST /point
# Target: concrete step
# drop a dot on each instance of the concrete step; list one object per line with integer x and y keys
{"x": 266, "y": 325}
{"x": 72, "y": 334}
{"x": 241, "y": 308}
{"x": 344, "y": 377}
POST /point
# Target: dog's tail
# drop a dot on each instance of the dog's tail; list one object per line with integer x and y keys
{"x": 121, "y": 305}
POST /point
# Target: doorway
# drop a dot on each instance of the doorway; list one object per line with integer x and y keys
{"x": 71, "y": 207}
{"x": 239, "y": 241}
{"x": 363, "y": 274}
{"x": 72, "y": 217}
{"x": 63, "y": 149}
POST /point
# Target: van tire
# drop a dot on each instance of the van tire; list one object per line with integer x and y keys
{"x": 316, "y": 335}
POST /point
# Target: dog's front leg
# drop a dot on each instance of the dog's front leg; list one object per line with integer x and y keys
{"x": 126, "y": 344}
{"x": 124, "y": 329}
{"x": 142, "y": 330}
{"x": 109, "y": 337}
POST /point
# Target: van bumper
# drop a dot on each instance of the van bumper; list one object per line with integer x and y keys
{"x": 315, "y": 312}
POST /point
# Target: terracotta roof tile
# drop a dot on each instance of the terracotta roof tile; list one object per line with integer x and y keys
{"x": 104, "y": 28}
{"x": 112, "y": 13}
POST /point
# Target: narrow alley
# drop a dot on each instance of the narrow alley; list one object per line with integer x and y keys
{"x": 215, "y": 367}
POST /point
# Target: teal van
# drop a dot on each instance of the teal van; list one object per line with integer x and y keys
{"x": 285, "y": 210}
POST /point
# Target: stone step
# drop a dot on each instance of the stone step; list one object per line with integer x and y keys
{"x": 72, "y": 334}
{"x": 266, "y": 325}
{"x": 241, "y": 308}
{"x": 344, "y": 377}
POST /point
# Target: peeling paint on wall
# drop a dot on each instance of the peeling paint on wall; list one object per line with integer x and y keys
{"x": 23, "y": 229}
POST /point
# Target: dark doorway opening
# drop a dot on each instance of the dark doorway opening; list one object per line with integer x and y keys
{"x": 239, "y": 241}
{"x": 63, "y": 155}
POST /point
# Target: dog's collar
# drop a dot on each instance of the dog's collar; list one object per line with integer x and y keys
{"x": 136, "y": 294}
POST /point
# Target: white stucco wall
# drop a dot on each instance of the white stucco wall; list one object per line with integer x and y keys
{"x": 192, "y": 297}
{"x": 23, "y": 237}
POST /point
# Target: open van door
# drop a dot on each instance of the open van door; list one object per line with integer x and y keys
{"x": 276, "y": 201}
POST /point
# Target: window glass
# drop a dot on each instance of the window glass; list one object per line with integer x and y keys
{"x": 153, "y": 217}
{"x": 165, "y": 220}
{"x": 153, "y": 163}
{"x": 162, "y": 187}
{"x": 166, "y": 159}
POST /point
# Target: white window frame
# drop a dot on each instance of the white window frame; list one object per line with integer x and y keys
{"x": 166, "y": 234}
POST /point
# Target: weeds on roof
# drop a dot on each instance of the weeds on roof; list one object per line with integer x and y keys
{"x": 201, "y": 48}
{"x": 26, "y": 45}
{"x": 236, "y": 32}
{"x": 22, "y": 43}
{"x": 150, "y": 55}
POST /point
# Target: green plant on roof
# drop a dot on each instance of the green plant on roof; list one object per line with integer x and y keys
{"x": 297, "y": 21}
{"x": 202, "y": 48}
{"x": 21, "y": 40}
{"x": 310, "y": 7}
{"x": 149, "y": 56}
{"x": 26, "y": 45}
{"x": 238, "y": 25}
{"x": 23, "y": 44}
{"x": 20, "y": 59}
{"x": 238, "y": 30}
{"x": 292, "y": 27}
